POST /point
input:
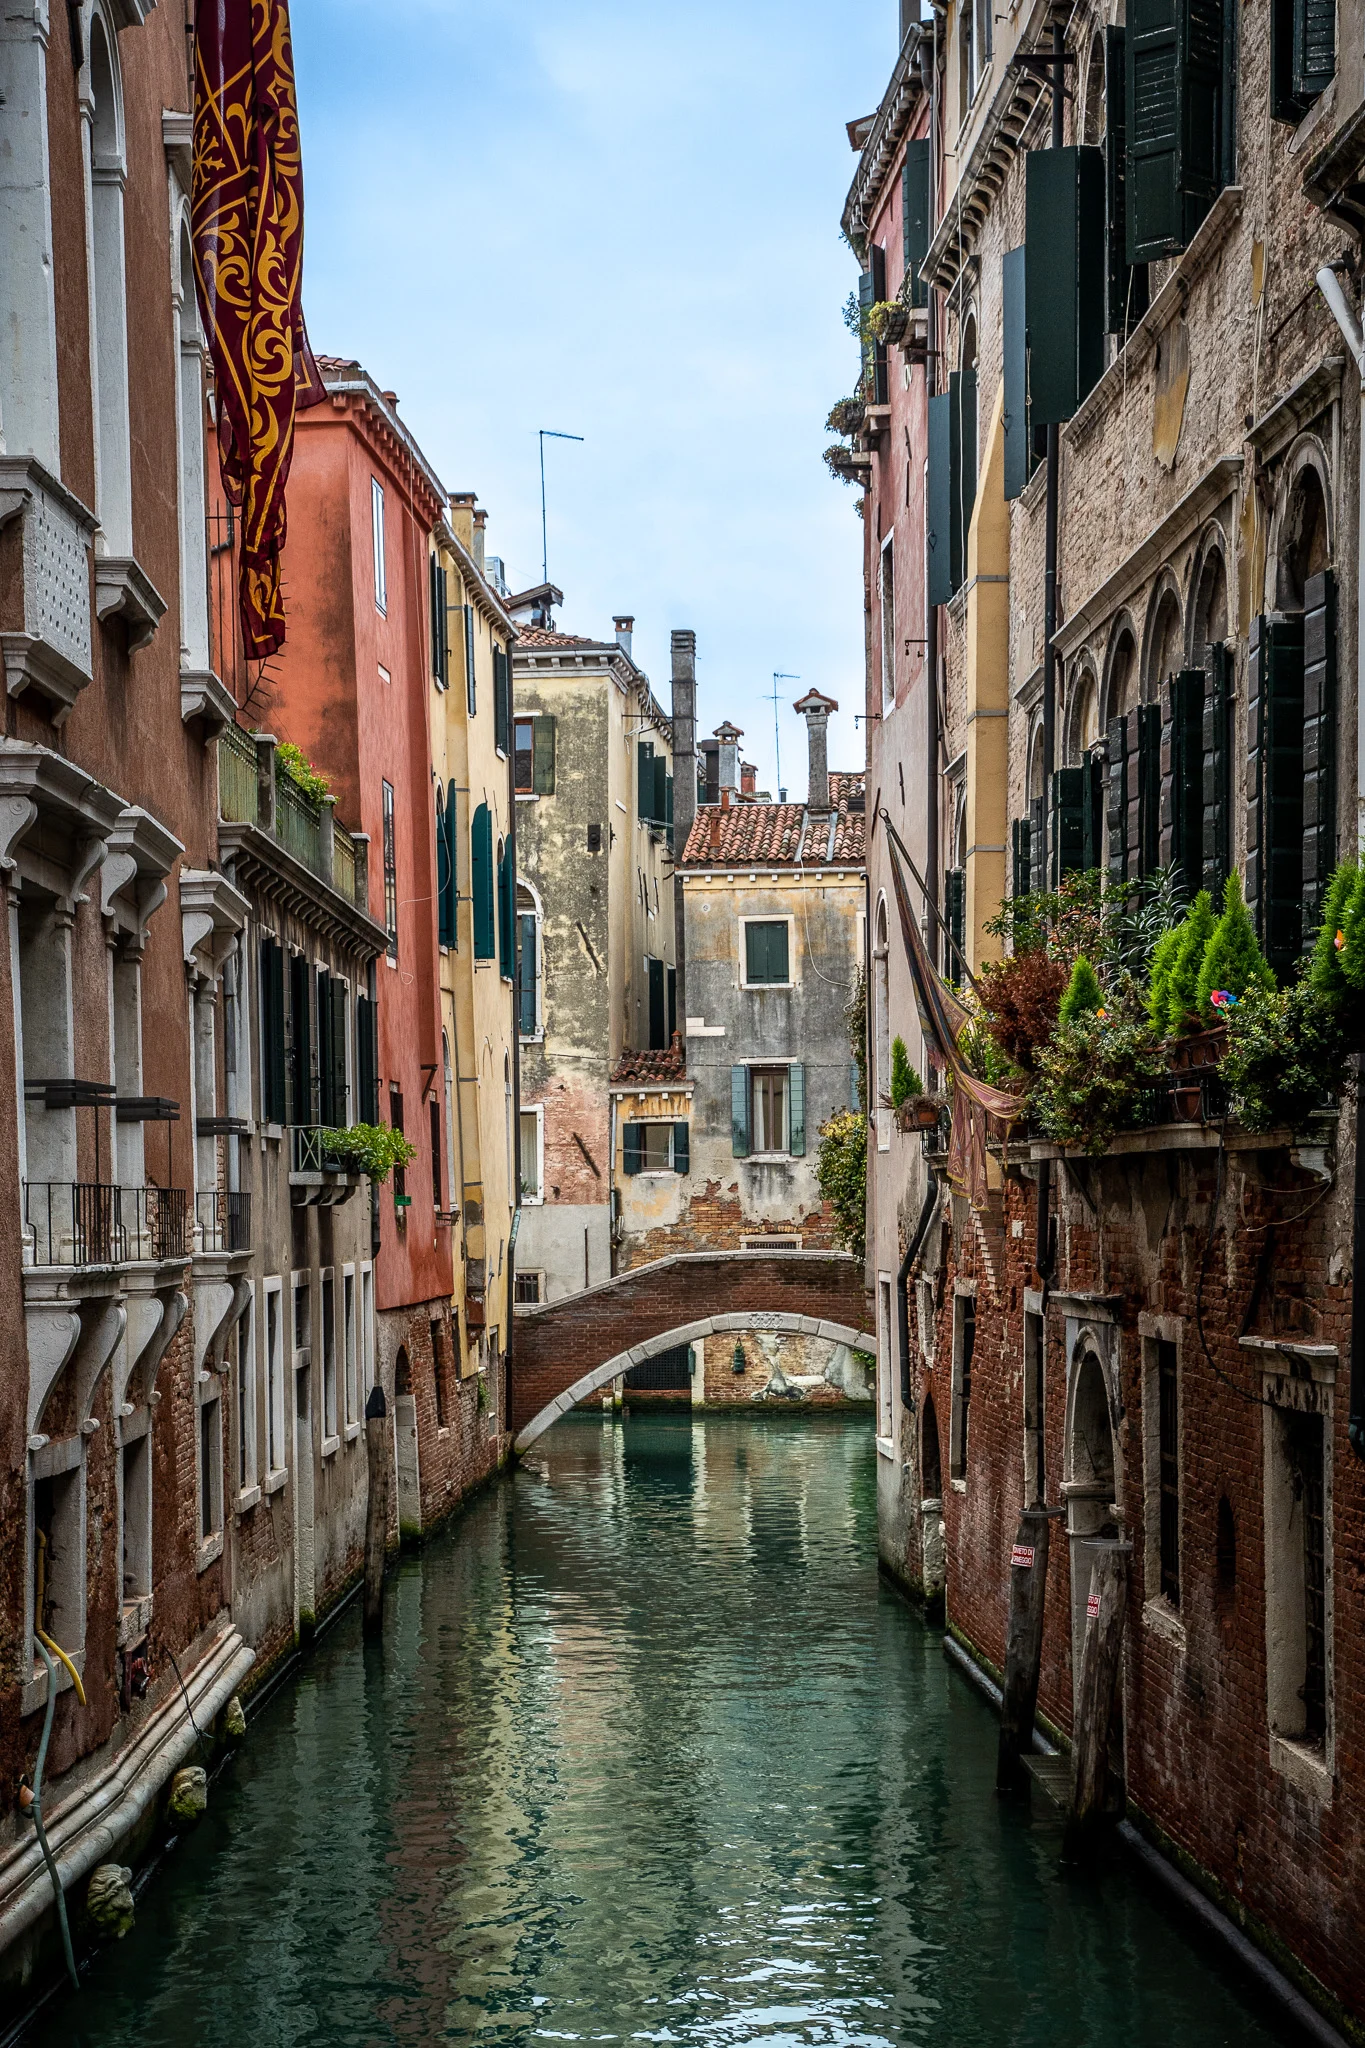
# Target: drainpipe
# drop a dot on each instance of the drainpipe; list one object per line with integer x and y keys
{"x": 515, "y": 1189}
{"x": 932, "y": 794}
{"x": 912, "y": 1252}
{"x": 1329, "y": 284}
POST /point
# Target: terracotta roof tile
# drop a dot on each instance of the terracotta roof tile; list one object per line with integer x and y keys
{"x": 538, "y": 636}
{"x": 769, "y": 835}
{"x": 667, "y": 1065}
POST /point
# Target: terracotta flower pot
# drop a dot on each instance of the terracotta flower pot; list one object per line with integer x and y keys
{"x": 1189, "y": 1103}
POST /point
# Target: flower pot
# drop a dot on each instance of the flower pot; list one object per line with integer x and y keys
{"x": 1197, "y": 1051}
{"x": 1189, "y": 1102}
{"x": 918, "y": 1113}
{"x": 897, "y": 320}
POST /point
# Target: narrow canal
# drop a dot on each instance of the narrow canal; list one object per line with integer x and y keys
{"x": 647, "y": 1754}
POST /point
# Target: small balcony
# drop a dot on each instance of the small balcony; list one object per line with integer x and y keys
{"x": 93, "y": 1223}
{"x": 223, "y": 1220}
{"x": 318, "y": 1177}
{"x": 253, "y": 790}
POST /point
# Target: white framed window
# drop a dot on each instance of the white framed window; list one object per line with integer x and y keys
{"x": 366, "y": 1334}
{"x": 210, "y": 1464}
{"x": 191, "y": 495}
{"x": 771, "y": 1101}
{"x": 528, "y": 1289}
{"x": 381, "y": 575}
{"x": 245, "y": 1378}
{"x": 108, "y": 295}
{"x": 350, "y": 1357}
{"x": 532, "y": 1154}
{"x": 964, "y": 1346}
{"x": 274, "y": 1376}
{"x": 885, "y": 1349}
{"x": 331, "y": 1431}
{"x": 767, "y": 952}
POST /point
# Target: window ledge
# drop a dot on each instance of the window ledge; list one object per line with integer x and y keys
{"x": 248, "y": 1500}
{"x": 885, "y": 1447}
{"x": 1303, "y": 1765}
{"x": 35, "y": 1692}
{"x": 275, "y": 1482}
{"x": 958, "y": 1485}
{"x": 1159, "y": 1618}
{"x": 205, "y": 697}
{"x": 275, "y": 1132}
{"x": 352, "y": 1431}
{"x": 330, "y": 1446}
{"x": 527, "y": 796}
{"x": 123, "y": 590}
{"x": 208, "y": 1553}
{"x": 134, "y": 1620}
{"x": 758, "y": 987}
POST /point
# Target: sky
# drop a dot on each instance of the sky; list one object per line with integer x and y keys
{"x": 619, "y": 219}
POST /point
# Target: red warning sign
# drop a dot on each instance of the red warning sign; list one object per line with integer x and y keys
{"x": 1021, "y": 1557}
{"x": 1092, "y": 1606}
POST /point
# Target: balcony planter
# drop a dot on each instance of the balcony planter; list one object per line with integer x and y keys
{"x": 895, "y": 324}
{"x": 918, "y": 1113}
{"x": 1197, "y": 1051}
{"x": 1189, "y": 1102}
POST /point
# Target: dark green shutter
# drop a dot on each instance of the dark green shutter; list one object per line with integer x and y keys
{"x": 659, "y": 814}
{"x": 1092, "y": 819}
{"x": 796, "y": 1110}
{"x": 440, "y": 629}
{"x": 327, "y": 1116}
{"x": 1126, "y": 283}
{"x": 672, "y": 1002}
{"x": 507, "y": 925}
{"x": 451, "y": 905}
{"x": 481, "y": 881}
{"x": 273, "y": 1089}
{"x": 644, "y": 793}
{"x": 1019, "y": 464}
{"x": 658, "y": 1039}
{"x": 632, "y": 1148}
{"x": 1064, "y": 278}
{"x": 682, "y": 1148}
{"x": 1275, "y": 793}
{"x": 300, "y": 1026}
{"x": 955, "y": 917}
{"x": 739, "y": 1112}
{"x": 962, "y": 416}
{"x": 528, "y": 967}
{"x": 502, "y": 724}
{"x": 443, "y": 932}
{"x": 1182, "y": 779}
{"x": 1116, "y": 810}
{"x": 367, "y": 1060}
{"x": 336, "y": 998}
{"x": 471, "y": 686}
{"x": 1020, "y": 833}
{"x": 1068, "y": 821}
{"x": 668, "y": 807}
{"x": 880, "y": 382}
{"x": 1149, "y": 789}
{"x": 1285, "y": 104}
{"x": 1175, "y": 121}
{"x": 940, "y": 501}
{"x": 915, "y": 210}
{"x": 1217, "y": 766}
{"x": 1315, "y": 47}
{"x": 543, "y": 756}
{"x": 1319, "y": 741}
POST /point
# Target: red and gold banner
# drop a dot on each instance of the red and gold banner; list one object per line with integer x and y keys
{"x": 247, "y": 221}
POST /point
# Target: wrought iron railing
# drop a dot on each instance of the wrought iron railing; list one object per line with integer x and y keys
{"x": 93, "y": 1223}
{"x": 312, "y": 1150}
{"x": 224, "y": 1219}
{"x": 298, "y": 823}
{"x": 343, "y": 864}
{"x": 298, "y": 820}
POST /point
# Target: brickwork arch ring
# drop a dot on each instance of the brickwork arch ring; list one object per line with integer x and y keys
{"x": 764, "y": 1322}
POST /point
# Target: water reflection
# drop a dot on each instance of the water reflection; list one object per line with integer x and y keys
{"x": 647, "y": 1755}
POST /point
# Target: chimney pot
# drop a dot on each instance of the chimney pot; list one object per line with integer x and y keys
{"x": 625, "y": 630}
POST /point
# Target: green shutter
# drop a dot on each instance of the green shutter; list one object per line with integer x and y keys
{"x": 273, "y": 1089}
{"x": 1068, "y": 821}
{"x": 672, "y": 1002}
{"x": 1315, "y": 47}
{"x": 1116, "y": 809}
{"x": 632, "y": 1148}
{"x": 528, "y": 968}
{"x": 682, "y": 1148}
{"x": 796, "y": 1110}
{"x": 659, "y": 814}
{"x": 327, "y": 1115}
{"x": 444, "y": 934}
{"x": 1217, "y": 768}
{"x": 962, "y": 416}
{"x": 1126, "y": 283}
{"x": 507, "y": 925}
{"x": 657, "y": 1016}
{"x": 1174, "y": 111}
{"x": 644, "y": 792}
{"x": 1182, "y": 779}
{"x": 501, "y": 701}
{"x": 481, "y": 881}
{"x": 543, "y": 756}
{"x": 1092, "y": 818}
{"x": 300, "y": 1025}
{"x": 1149, "y": 788}
{"x": 1285, "y": 104}
{"x": 336, "y": 998}
{"x": 451, "y": 905}
{"x": 440, "y": 625}
{"x": 940, "y": 500}
{"x": 1020, "y": 832}
{"x": 739, "y": 1112}
{"x": 880, "y": 382}
{"x": 470, "y": 684}
{"x": 1064, "y": 279}
{"x": 1275, "y": 792}
{"x": 367, "y": 1060}
{"x": 1319, "y": 741}
{"x": 1019, "y": 464}
{"x": 915, "y": 211}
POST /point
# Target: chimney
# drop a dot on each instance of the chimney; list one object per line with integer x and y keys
{"x": 480, "y": 524}
{"x": 748, "y": 779}
{"x": 715, "y": 828}
{"x": 815, "y": 709}
{"x": 684, "y": 722}
{"x": 625, "y": 632}
{"x": 729, "y": 736}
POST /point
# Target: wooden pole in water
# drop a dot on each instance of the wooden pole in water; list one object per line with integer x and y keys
{"x": 1101, "y": 1659}
{"x": 1023, "y": 1648}
{"x": 376, "y": 1507}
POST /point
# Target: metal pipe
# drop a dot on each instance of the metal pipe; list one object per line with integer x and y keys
{"x": 933, "y": 793}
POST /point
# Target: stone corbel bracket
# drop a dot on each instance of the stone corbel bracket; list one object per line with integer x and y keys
{"x": 213, "y": 915}
{"x": 133, "y": 885}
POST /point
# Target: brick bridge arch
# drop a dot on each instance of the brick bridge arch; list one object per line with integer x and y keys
{"x": 567, "y": 1350}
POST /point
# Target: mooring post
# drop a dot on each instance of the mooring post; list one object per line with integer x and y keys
{"x": 376, "y": 1507}
{"x": 1101, "y": 1660}
{"x": 1023, "y": 1648}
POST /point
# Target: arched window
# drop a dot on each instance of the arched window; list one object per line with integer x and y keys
{"x": 194, "y": 566}
{"x": 530, "y": 965}
{"x": 881, "y": 1026}
{"x": 1165, "y": 645}
{"x": 108, "y": 297}
{"x": 1304, "y": 549}
{"x": 1122, "y": 693}
{"x": 1210, "y": 608}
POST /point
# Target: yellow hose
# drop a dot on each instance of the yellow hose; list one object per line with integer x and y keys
{"x": 46, "y": 1640}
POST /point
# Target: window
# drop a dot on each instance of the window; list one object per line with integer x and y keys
{"x": 300, "y": 1040}
{"x": 656, "y": 997}
{"x": 964, "y": 1344}
{"x": 273, "y": 1061}
{"x": 381, "y": 576}
{"x": 137, "y": 1518}
{"x": 274, "y": 1376}
{"x": 767, "y": 952}
{"x": 330, "y": 1429}
{"x": 528, "y": 1289}
{"x": 1303, "y": 55}
{"x": 210, "y": 1468}
{"x": 481, "y": 881}
{"x": 768, "y": 1110}
{"x": 366, "y": 1331}
{"x": 440, "y": 627}
{"x": 470, "y": 684}
{"x": 1180, "y": 68}
{"x": 656, "y": 1148}
{"x": 390, "y": 876}
{"x": 191, "y": 495}
{"x": 59, "y": 1555}
{"x": 245, "y": 1349}
{"x": 524, "y": 755}
{"x": 333, "y": 1001}
{"x": 507, "y": 922}
{"x": 438, "y": 1370}
{"x": 531, "y": 1163}
{"x": 400, "y": 1173}
{"x": 436, "y": 1174}
{"x": 303, "y": 1319}
{"x": 350, "y": 1356}
{"x": 885, "y": 1415}
{"x": 108, "y": 299}
{"x": 530, "y": 1013}
{"x": 888, "y": 594}
{"x": 1298, "y": 1590}
{"x": 502, "y": 698}
{"x": 1168, "y": 1423}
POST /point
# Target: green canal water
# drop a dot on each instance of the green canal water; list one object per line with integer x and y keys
{"x": 648, "y": 1754}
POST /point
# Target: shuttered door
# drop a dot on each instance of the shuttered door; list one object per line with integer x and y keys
{"x": 367, "y": 1060}
{"x": 1182, "y": 778}
{"x": 645, "y": 780}
{"x": 1117, "y": 806}
{"x": 962, "y": 401}
{"x": 443, "y": 931}
{"x": 1125, "y": 283}
{"x": 481, "y": 881}
{"x": 451, "y": 906}
{"x": 507, "y": 925}
{"x": 915, "y": 210}
{"x": 273, "y": 1091}
{"x": 1217, "y": 771}
{"x": 1319, "y": 741}
{"x": 1149, "y": 788}
{"x": 1018, "y": 442}
{"x": 1275, "y": 713}
{"x": 1068, "y": 821}
{"x": 327, "y": 1115}
{"x": 1064, "y": 278}
{"x": 939, "y": 536}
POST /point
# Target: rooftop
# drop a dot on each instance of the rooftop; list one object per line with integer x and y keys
{"x": 750, "y": 834}
{"x": 667, "y": 1064}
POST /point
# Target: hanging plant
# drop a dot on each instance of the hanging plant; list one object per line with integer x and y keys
{"x": 293, "y": 763}
{"x": 846, "y": 417}
{"x": 373, "y": 1149}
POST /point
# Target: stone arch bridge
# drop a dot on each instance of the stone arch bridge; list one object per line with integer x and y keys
{"x": 567, "y": 1350}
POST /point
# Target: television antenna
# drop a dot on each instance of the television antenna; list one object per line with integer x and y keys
{"x": 779, "y": 677}
{"x": 547, "y": 434}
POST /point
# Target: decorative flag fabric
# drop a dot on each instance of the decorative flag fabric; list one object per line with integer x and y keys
{"x": 943, "y": 1018}
{"x": 247, "y": 226}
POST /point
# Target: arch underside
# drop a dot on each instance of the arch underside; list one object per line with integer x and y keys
{"x": 765, "y": 1322}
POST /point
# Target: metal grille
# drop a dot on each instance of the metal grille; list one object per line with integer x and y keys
{"x": 237, "y": 793}
{"x": 343, "y": 864}
{"x": 666, "y": 1372}
{"x": 93, "y": 1223}
{"x": 298, "y": 824}
{"x": 1169, "y": 1406}
{"x": 224, "y": 1219}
